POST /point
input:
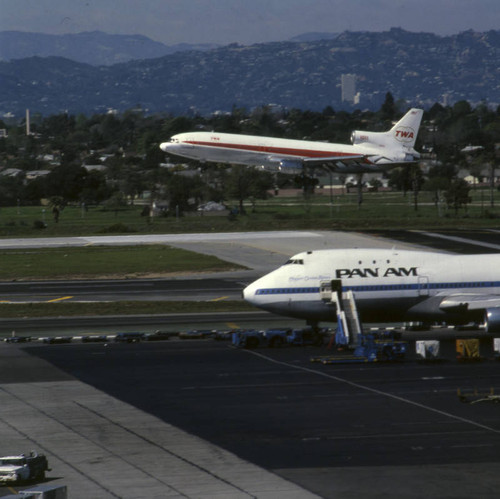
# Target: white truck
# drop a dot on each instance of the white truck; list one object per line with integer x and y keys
{"x": 23, "y": 467}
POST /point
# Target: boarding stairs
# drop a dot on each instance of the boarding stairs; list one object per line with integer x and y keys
{"x": 348, "y": 321}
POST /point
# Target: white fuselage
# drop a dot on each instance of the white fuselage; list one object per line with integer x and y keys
{"x": 269, "y": 152}
{"x": 387, "y": 284}
{"x": 369, "y": 152}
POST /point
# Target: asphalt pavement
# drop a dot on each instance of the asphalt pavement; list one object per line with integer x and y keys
{"x": 198, "y": 418}
{"x": 392, "y": 430}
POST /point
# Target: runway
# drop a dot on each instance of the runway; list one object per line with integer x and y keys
{"x": 201, "y": 419}
{"x": 98, "y": 290}
{"x": 260, "y": 252}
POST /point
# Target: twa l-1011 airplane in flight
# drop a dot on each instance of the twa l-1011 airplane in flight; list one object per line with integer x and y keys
{"x": 369, "y": 152}
{"x": 387, "y": 285}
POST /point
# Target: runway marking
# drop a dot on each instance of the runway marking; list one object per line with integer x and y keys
{"x": 59, "y": 299}
{"x": 374, "y": 390}
{"x": 220, "y": 298}
{"x": 232, "y": 325}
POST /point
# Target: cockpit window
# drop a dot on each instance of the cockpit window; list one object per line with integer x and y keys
{"x": 295, "y": 261}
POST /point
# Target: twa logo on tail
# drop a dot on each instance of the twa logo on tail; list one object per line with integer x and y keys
{"x": 404, "y": 134}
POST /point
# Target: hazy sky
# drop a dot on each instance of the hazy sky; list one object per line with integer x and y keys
{"x": 245, "y": 21}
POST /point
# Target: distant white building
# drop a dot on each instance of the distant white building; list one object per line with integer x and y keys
{"x": 99, "y": 168}
{"x": 348, "y": 85}
{"x": 33, "y": 174}
{"x": 11, "y": 172}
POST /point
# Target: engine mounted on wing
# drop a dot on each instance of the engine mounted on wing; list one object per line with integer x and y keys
{"x": 291, "y": 166}
{"x": 492, "y": 320}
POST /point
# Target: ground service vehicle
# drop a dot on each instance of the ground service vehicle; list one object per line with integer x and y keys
{"x": 21, "y": 468}
{"x": 381, "y": 346}
{"x": 18, "y": 339}
{"x": 133, "y": 337}
{"x": 277, "y": 337}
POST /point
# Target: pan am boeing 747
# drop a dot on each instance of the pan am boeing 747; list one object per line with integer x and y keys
{"x": 369, "y": 152}
{"x": 387, "y": 285}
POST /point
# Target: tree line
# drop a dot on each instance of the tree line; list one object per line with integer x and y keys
{"x": 127, "y": 146}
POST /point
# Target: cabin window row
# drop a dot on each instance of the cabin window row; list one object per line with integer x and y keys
{"x": 385, "y": 287}
{"x": 278, "y": 291}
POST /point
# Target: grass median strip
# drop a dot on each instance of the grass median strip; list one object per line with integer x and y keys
{"x": 68, "y": 309}
{"x": 105, "y": 261}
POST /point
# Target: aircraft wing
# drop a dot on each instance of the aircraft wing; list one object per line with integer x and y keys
{"x": 341, "y": 163}
{"x": 335, "y": 159}
{"x": 470, "y": 301}
{"x": 365, "y": 162}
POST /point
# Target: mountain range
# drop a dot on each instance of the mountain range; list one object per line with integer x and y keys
{"x": 90, "y": 47}
{"x": 421, "y": 68}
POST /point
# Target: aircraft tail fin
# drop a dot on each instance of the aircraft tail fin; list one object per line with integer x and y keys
{"x": 405, "y": 131}
{"x": 398, "y": 142}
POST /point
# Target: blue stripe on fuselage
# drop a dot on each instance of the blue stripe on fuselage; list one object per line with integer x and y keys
{"x": 386, "y": 287}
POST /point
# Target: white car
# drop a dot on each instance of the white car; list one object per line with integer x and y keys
{"x": 22, "y": 467}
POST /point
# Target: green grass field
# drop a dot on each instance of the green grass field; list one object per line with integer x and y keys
{"x": 378, "y": 210}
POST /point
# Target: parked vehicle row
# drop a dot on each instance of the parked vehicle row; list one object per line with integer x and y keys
{"x": 274, "y": 338}
{"x": 125, "y": 337}
{"x": 249, "y": 338}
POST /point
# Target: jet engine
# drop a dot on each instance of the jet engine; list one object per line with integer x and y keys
{"x": 492, "y": 320}
{"x": 358, "y": 137}
{"x": 292, "y": 166}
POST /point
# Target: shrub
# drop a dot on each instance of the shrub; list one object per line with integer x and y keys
{"x": 38, "y": 224}
{"x": 116, "y": 229}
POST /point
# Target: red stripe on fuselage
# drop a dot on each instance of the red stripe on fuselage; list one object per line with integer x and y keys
{"x": 302, "y": 153}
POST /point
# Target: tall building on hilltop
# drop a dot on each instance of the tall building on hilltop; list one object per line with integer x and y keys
{"x": 348, "y": 84}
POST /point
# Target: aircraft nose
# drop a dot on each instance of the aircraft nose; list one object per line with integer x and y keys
{"x": 164, "y": 146}
{"x": 249, "y": 293}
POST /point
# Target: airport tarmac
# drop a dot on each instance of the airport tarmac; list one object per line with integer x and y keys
{"x": 102, "y": 447}
{"x": 200, "y": 419}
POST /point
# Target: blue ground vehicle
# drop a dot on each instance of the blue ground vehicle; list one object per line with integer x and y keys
{"x": 380, "y": 346}
{"x": 274, "y": 338}
{"x": 129, "y": 337}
